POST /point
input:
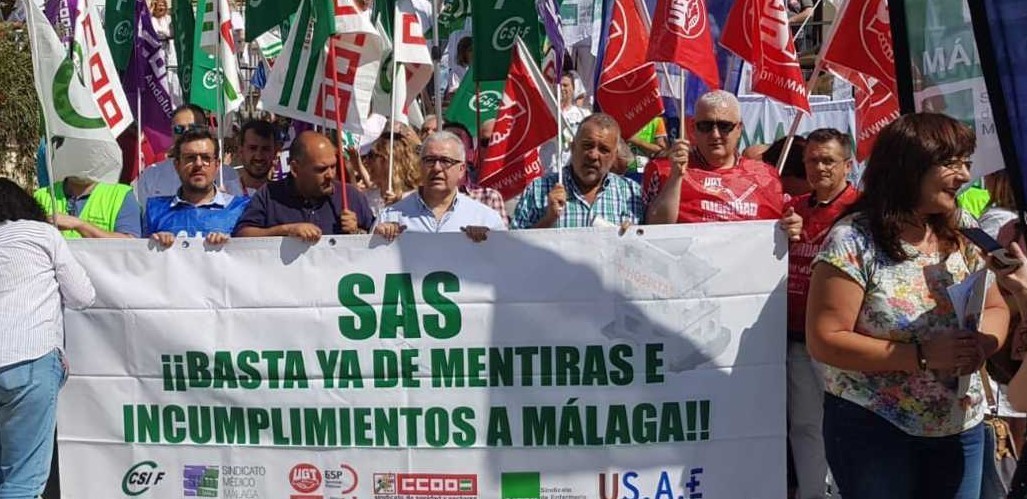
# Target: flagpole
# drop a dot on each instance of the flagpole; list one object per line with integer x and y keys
{"x": 338, "y": 121}
{"x": 802, "y": 27}
{"x": 436, "y": 55}
{"x": 392, "y": 117}
{"x": 817, "y": 69}
{"x": 139, "y": 131}
{"x": 218, "y": 102}
{"x": 559, "y": 130}
{"x": 683, "y": 83}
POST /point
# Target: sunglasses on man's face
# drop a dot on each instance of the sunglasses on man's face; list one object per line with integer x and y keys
{"x": 724, "y": 127}
{"x": 182, "y": 129}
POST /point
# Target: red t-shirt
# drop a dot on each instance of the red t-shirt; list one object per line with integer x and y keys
{"x": 751, "y": 190}
{"x": 817, "y": 220}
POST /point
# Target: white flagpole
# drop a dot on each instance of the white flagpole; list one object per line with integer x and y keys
{"x": 218, "y": 102}
{"x": 139, "y": 130}
{"x": 436, "y": 55}
{"x": 817, "y": 69}
{"x": 683, "y": 85}
{"x": 559, "y": 128}
{"x": 392, "y": 116}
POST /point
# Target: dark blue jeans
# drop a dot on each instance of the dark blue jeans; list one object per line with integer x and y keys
{"x": 873, "y": 459}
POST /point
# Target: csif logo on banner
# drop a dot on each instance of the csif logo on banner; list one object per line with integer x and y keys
{"x": 507, "y": 33}
{"x": 141, "y": 477}
{"x": 636, "y": 486}
{"x": 487, "y": 100}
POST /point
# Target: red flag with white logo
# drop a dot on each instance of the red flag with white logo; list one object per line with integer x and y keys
{"x": 758, "y": 31}
{"x": 525, "y": 121}
{"x": 860, "y": 51}
{"x": 862, "y": 41}
{"x": 874, "y": 110}
{"x": 628, "y": 88}
{"x": 681, "y": 34}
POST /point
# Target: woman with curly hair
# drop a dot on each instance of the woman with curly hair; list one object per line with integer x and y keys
{"x": 897, "y": 423}
{"x": 38, "y": 277}
{"x": 406, "y": 171}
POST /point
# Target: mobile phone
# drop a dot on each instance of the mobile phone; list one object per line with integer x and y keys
{"x": 990, "y": 246}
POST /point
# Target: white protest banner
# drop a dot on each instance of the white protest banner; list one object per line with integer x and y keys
{"x": 570, "y": 363}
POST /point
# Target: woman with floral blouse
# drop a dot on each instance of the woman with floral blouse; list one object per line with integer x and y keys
{"x": 899, "y": 420}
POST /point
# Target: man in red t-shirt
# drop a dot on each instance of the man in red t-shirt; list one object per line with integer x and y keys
{"x": 828, "y": 160}
{"x": 713, "y": 182}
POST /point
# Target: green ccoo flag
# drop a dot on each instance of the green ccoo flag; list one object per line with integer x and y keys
{"x": 495, "y": 26}
{"x": 464, "y": 106}
{"x": 184, "y": 23}
{"x": 262, "y": 15}
{"x": 120, "y": 19}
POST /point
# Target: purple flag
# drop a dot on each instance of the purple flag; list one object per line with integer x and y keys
{"x": 147, "y": 74}
{"x": 61, "y": 14}
{"x": 549, "y": 13}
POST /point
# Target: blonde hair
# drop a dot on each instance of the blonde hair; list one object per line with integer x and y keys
{"x": 406, "y": 172}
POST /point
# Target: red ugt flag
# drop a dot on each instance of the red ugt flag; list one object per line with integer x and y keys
{"x": 525, "y": 121}
{"x": 628, "y": 88}
{"x": 681, "y": 34}
{"x": 757, "y": 31}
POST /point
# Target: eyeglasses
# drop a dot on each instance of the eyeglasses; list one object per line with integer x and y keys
{"x": 182, "y": 129}
{"x": 955, "y": 164}
{"x": 724, "y": 127}
{"x": 447, "y": 163}
{"x": 192, "y": 159}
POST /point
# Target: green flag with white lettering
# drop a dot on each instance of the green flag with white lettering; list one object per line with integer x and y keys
{"x": 215, "y": 79}
{"x": 119, "y": 18}
{"x": 184, "y": 23}
{"x": 464, "y": 106}
{"x": 495, "y": 25}
{"x": 262, "y": 15}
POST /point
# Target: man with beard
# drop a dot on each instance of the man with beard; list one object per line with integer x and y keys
{"x": 258, "y": 151}
{"x": 592, "y": 195}
{"x": 198, "y": 209}
{"x": 308, "y": 202}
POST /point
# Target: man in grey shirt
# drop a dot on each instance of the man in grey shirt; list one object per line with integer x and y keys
{"x": 438, "y": 205}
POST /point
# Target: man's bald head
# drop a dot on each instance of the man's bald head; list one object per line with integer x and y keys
{"x": 312, "y": 157}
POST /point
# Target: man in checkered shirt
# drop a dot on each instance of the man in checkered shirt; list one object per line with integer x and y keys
{"x": 590, "y": 195}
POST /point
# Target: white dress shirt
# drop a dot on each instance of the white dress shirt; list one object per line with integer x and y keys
{"x": 38, "y": 274}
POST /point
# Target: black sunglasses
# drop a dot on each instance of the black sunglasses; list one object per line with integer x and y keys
{"x": 182, "y": 129}
{"x": 724, "y": 127}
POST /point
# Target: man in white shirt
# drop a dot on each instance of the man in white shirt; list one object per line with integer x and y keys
{"x": 161, "y": 179}
{"x": 438, "y": 205}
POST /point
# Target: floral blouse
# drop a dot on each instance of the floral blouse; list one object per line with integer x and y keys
{"x": 903, "y": 301}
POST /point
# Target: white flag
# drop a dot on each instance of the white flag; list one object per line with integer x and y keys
{"x": 410, "y": 50}
{"x": 83, "y": 144}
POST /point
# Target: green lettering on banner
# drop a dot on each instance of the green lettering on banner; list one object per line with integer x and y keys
{"x": 224, "y": 374}
{"x": 447, "y": 367}
{"x": 501, "y": 366}
{"x": 670, "y": 423}
{"x": 257, "y": 421}
{"x": 174, "y": 424}
{"x": 327, "y": 366}
{"x": 198, "y": 418}
{"x": 229, "y": 425}
{"x": 448, "y": 322}
{"x": 349, "y": 287}
{"x": 295, "y": 370}
{"x": 361, "y": 426}
{"x": 340, "y": 368}
{"x": 539, "y": 426}
{"x": 386, "y": 369}
{"x": 197, "y": 366}
{"x": 618, "y": 429}
{"x": 278, "y": 436}
{"x": 320, "y": 427}
{"x": 527, "y": 366}
{"x": 464, "y": 434}
{"x": 653, "y": 363}
{"x": 386, "y": 427}
{"x": 252, "y": 379}
{"x": 570, "y": 425}
{"x": 409, "y": 368}
{"x": 643, "y": 424}
{"x": 436, "y": 427}
{"x": 272, "y": 357}
{"x": 567, "y": 370}
{"x": 411, "y": 413}
{"x": 498, "y": 434}
{"x": 476, "y": 367}
{"x": 399, "y": 308}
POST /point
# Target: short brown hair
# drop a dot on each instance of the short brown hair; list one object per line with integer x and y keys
{"x": 194, "y": 135}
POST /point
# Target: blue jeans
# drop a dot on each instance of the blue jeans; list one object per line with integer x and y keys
{"x": 28, "y": 415}
{"x": 871, "y": 458}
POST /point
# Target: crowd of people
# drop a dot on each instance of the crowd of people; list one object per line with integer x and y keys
{"x": 875, "y": 352}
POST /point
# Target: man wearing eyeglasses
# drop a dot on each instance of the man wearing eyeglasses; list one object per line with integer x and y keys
{"x": 827, "y": 159}
{"x": 307, "y": 203}
{"x": 713, "y": 182}
{"x": 438, "y": 205}
{"x": 161, "y": 179}
{"x": 198, "y": 209}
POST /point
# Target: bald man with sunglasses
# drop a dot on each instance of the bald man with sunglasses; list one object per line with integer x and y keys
{"x": 712, "y": 182}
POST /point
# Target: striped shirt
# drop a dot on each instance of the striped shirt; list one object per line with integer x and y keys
{"x": 38, "y": 274}
{"x": 619, "y": 200}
